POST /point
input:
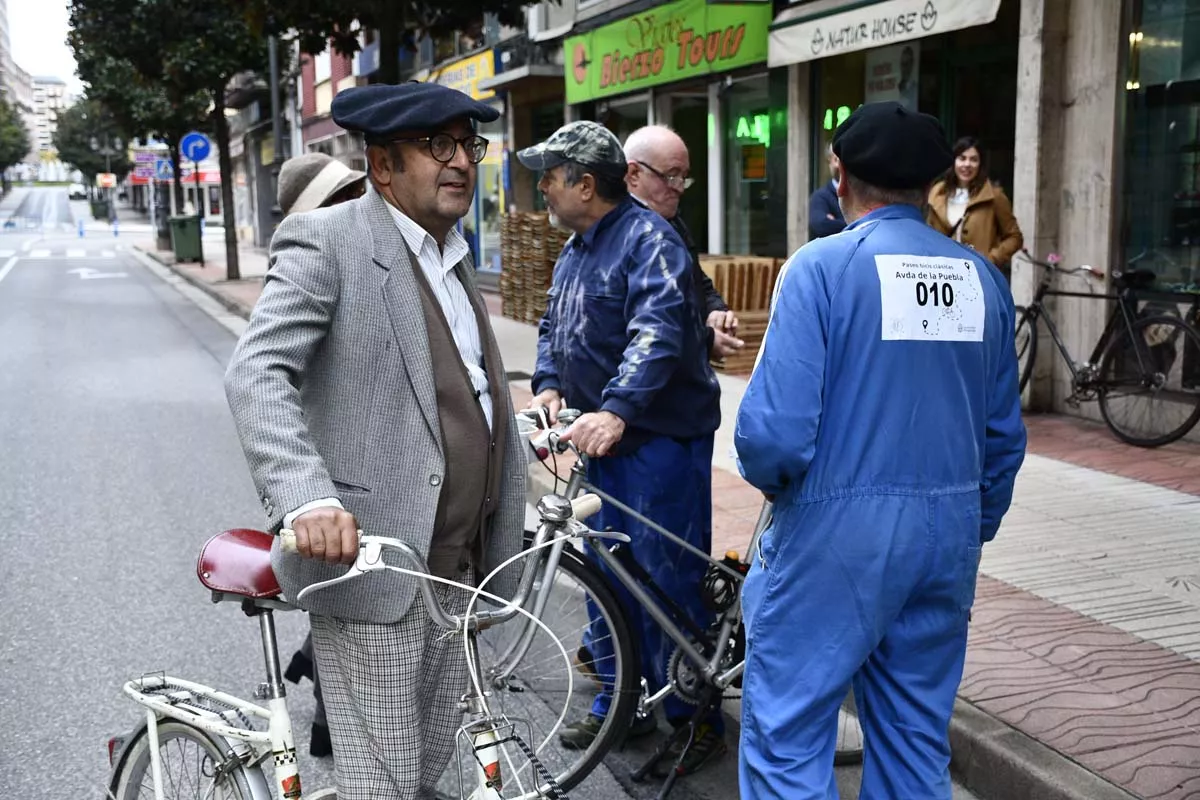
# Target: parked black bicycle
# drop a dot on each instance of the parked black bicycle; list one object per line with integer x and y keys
{"x": 1144, "y": 370}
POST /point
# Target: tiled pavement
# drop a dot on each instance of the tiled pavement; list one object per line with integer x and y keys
{"x": 1086, "y": 629}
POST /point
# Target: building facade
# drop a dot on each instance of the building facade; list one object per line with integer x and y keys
{"x": 50, "y": 98}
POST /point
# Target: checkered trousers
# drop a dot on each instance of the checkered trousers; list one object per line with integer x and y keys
{"x": 391, "y": 695}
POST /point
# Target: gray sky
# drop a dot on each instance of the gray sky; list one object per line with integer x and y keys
{"x": 38, "y": 32}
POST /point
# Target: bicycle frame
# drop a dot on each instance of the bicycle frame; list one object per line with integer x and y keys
{"x": 710, "y": 668}
{"x": 1126, "y": 306}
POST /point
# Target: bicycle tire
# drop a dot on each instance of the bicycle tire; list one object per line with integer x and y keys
{"x": 1167, "y": 329}
{"x": 627, "y": 685}
{"x": 1026, "y": 326}
{"x": 133, "y": 779}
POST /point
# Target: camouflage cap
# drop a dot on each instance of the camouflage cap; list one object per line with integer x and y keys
{"x": 583, "y": 142}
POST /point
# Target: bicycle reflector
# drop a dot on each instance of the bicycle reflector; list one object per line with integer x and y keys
{"x": 115, "y": 744}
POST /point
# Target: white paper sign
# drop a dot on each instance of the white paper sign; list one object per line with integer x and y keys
{"x": 930, "y": 299}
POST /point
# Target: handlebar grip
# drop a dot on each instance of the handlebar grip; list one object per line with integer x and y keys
{"x": 287, "y": 541}
{"x": 585, "y": 506}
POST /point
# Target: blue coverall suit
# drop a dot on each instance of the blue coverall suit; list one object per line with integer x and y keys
{"x": 622, "y": 333}
{"x": 884, "y": 417}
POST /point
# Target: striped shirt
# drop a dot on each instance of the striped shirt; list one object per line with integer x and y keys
{"x": 438, "y": 266}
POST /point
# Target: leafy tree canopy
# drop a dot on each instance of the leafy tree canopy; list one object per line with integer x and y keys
{"x": 14, "y": 136}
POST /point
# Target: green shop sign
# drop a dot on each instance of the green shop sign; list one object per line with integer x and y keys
{"x": 685, "y": 39}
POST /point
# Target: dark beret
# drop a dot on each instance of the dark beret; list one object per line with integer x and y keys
{"x": 889, "y": 146}
{"x": 382, "y": 109}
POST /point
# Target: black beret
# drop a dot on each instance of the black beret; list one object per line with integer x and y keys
{"x": 889, "y": 146}
{"x": 382, "y": 109}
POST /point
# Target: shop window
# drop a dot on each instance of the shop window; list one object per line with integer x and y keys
{"x": 748, "y": 140}
{"x": 1161, "y": 195}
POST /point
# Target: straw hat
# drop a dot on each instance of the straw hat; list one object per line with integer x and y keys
{"x": 307, "y": 181}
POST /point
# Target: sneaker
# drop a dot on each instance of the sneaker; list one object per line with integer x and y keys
{"x": 707, "y": 748}
{"x": 580, "y": 735}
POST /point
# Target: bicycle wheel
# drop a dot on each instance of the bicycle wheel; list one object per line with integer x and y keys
{"x": 1026, "y": 342}
{"x": 1146, "y": 398}
{"x": 190, "y": 760}
{"x": 535, "y": 692}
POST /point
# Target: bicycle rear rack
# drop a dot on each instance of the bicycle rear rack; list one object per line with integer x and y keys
{"x": 203, "y": 706}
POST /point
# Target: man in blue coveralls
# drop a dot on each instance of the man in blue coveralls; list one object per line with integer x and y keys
{"x": 623, "y": 341}
{"x": 883, "y": 417}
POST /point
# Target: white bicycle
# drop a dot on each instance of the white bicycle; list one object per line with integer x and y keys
{"x": 199, "y": 742}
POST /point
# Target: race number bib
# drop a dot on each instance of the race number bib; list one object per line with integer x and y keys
{"x": 930, "y": 299}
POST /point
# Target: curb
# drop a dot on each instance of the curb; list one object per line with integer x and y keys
{"x": 989, "y": 757}
{"x": 228, "y": 303}
{"x": 995, "y": 760}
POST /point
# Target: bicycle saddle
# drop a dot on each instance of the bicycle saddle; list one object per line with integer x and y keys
{"x": 1136, "y": 278}
{"x": 238, "y": 562}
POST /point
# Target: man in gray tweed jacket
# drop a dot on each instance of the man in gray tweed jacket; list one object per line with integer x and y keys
{"x": 369, "y": 393}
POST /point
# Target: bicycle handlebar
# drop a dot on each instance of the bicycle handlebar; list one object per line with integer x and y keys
{"x": 1051, "y": 264}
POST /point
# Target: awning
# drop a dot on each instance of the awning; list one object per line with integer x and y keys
{"x": 823, "y": 29}
{"x": 505, "y": 79}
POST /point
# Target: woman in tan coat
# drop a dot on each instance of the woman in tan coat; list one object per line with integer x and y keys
{"x": 969, "y": 208}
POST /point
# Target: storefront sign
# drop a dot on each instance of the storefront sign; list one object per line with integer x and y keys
{"x": 685, "y": 39}
{"x": 892, "y": 74}
{"x": 800, "y": 35}
{"x": 466, "y": 74}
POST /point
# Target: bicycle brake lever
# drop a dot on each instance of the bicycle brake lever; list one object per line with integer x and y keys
{"x": 370, "y": 558}
{"x": 577, "y": 528}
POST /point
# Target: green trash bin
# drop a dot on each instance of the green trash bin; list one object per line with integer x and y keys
{"x": 185, "y": 238}
{"x": 100, "y": 209}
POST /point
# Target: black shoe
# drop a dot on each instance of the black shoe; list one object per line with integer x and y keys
{"x": 707, "y": 748}
{"x": 301, "y": 666}
{"x": 319, "y": 744}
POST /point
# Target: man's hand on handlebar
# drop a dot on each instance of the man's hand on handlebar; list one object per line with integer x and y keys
{"x": 595, "y": 434}
{"x": 327, "y": 534}
{"x": 549, "y": 399}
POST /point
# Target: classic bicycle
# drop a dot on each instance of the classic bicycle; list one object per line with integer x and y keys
{"x": 199, "y": 742}
{"x": 1144, "y": 371}
{"x": 707, "y": 662}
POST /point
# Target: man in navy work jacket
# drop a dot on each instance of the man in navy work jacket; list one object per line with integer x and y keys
{"x": 883, "y": 417}
{"x": 623, "y": 340}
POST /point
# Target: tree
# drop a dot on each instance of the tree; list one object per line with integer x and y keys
{"x": 83, "y": 131}
{"x": 182, "y": 49}
{"x": 14, "y": 136}
{"x": 316, "y": 23}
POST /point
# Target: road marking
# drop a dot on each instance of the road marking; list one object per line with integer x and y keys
{"x": 107, "y": 254}
{"x": 7, "y": 268}
{"x": 89, "y": 274}
{"x": 77, "y": 254}
{"x": 25, "y": 247}
{"x": 39, "y": 254}
{"x": 7, "y": 253}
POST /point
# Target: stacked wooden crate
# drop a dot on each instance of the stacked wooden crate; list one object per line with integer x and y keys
{"x": 529, "y": 246}
{"x": 746, "y": 283}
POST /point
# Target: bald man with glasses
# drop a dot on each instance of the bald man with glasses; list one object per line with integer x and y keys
{"x": 658, "y": 176}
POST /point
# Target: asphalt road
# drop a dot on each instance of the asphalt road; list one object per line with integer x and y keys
{"x": 118, "y": 459}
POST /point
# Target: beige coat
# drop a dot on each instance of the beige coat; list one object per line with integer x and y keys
{"x": 988, "y": 226}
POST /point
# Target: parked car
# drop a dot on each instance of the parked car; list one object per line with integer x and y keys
{"x": 77, "y": 191}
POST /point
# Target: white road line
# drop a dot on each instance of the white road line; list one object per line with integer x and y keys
{"x": 39, "y": 254}
{"x": 7, "y": 253}
{"x": 8, "y": 265}
{"x": 107, "y": 254}
{"x": 77, "y": 254}
{"x": 25, "y": 247}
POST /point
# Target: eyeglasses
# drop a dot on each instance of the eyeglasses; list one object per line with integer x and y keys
{"x": 676, "y": 182}
{"x": 443, "y": 146}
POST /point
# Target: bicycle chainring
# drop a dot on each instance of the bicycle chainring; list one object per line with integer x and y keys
{"x": 685, "y": 678}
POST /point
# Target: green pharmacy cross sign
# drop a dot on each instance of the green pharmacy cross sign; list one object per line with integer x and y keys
{"x": 684, "y": 39}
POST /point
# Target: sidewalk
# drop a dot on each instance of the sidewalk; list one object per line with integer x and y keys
{"x": 1083, "y": 670}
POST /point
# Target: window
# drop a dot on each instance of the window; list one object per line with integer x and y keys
{"x": 323, "y": 66}
{"x": 1161, "y": 194}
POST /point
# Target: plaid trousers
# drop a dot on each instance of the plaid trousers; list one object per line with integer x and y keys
{"x": 391, "y": 696}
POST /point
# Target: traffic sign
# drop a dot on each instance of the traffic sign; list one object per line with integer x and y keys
{"x": 106, "y": 180}
{"x": 162, "y": 169}
{"x": 195, "y": 146}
